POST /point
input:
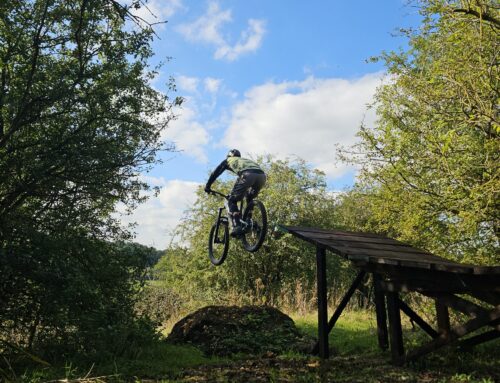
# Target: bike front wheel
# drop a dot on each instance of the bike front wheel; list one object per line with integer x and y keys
{"x": 218, "y": 243}
{"x": 255, "y": 216}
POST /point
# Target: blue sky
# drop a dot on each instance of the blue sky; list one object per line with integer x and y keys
{"x": 285, "y": 77}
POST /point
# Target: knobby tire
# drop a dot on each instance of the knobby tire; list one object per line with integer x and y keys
{"x": 253, "y": 246}
{"x": 214, "y": 248}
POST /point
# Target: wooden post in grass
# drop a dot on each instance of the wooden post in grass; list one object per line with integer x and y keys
{"x": 322, "y": 302}
{"x": 340, "y": 308}
{"x": 380, "y": 309}
{"x": 395, "y": 330}
{"x": 443, "y": 319}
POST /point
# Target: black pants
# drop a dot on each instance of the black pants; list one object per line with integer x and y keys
{"x": 254, "y": 181}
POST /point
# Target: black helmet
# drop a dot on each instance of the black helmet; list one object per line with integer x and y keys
{"x": 234, "y": 153}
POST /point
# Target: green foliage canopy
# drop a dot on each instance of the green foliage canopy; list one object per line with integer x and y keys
{"x": 78, "y": 118}
{"x": 78, "y": 121}
{"x": 431, "y": 163}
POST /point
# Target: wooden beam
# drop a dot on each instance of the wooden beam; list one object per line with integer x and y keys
{"x": 459, "y": 304}
{"x": 489, "y": 297}
{"x": 380, "y": 310}
{"x": 455, "y": 333}
{"x": 417, "y": 279}
{"x": 417, "y": 319}
{"x": 395, "y": 330}
{"x": 322, "y": 302}
{"x": 341, "y": 306}
{"x": 468, "y": 343}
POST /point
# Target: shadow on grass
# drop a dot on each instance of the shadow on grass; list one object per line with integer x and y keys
{"x": 356, "y": 336}
{"x": 482, "y": 360}
{"x": 161, "y": 360}
{"x": 356, "y": 358}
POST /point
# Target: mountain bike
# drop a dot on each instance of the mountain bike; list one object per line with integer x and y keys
{"x": 253, "y": 222}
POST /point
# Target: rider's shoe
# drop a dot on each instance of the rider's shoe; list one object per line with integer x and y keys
{"x": 237, "y": 231}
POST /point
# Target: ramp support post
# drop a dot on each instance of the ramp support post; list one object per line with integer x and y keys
{"x": 322, "y": 302}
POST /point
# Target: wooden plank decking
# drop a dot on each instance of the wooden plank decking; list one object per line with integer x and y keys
{"x": 397, "y": 267}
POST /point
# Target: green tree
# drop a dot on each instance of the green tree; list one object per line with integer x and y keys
{"x": 79, "y": 120}
{"x": 430, "y": 170}
{"x": 78, "y": 117}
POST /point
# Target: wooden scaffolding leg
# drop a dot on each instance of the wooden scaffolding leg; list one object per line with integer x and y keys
{"x": 443, "y": 319}
{"x": 341, "y": 306}
{"x": 395, "y": 330}
{"x": 322, "y": 302}
{"x": 380, "y": 309}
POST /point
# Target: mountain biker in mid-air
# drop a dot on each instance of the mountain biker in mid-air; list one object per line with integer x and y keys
{"x": 250, "y": 176}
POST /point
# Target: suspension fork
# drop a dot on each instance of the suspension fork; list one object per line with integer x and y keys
{"x": 217, "y": 223}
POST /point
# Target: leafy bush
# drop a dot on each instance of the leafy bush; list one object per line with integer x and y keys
{"x": 158, "y": 303}
{"x": 70, "y": 294}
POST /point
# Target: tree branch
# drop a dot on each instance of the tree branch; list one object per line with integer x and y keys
{"x": 78, "y": 36}
{"x": 29, "y": 82}
{"x": 483, "y": 16}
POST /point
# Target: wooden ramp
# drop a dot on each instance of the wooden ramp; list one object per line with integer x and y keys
{"x": 398, "y": 267}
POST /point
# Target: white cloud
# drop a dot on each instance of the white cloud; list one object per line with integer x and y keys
{"x": 188, "y": 134}
{"x": 155, "y": 11}
{"x": 153, "y": 181}
{"x": 170, "y": 7}
{"x": 158, "y": 216}
{"x": 250, "y": 41}
{"x": 207, "y": 29}
{"x": 306, "y": 119}
{"x": 212, "y": 85}
{"x": 189, "y": 84}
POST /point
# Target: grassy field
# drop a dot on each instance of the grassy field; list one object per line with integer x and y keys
{"x": 355, "y": 332}
{"x": 356, "y": 358}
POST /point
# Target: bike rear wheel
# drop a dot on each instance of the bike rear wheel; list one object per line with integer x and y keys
{"x": 255, "y": 216}
{"x": 218, "y": 243}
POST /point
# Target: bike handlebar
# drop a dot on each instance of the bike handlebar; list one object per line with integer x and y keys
{"x": 215, "y": 192}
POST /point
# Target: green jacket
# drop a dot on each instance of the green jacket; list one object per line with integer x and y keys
{"x": 235, "y": 164}
{"x": 238, "y": 165}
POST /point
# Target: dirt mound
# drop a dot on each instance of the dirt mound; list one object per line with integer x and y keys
{"x": 227, "y": 330}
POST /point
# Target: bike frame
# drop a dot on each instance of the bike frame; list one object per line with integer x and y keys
{"x": 255, "y": 228}
{"x": 226, "y": 218}
{"x": 220, "y": 216}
